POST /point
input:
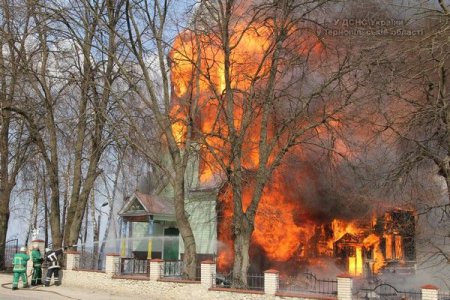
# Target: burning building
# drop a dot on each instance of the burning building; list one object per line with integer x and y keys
{"x": 290, "y": 231}
{"x": 386, "y": 241}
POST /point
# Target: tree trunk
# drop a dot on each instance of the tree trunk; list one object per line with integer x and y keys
{"x": 36, "y": 200}
{"x": 111, "y": 207}
{"x": 84, "y": 236}
{"x": 4, "y": 218}
{"x": 45, "y": 200}
{"x": 33, "y": 217}
{"x": 106, "y": 235}
{"x": 74, "y": 230}
{"x": 55, "y": 223}
{"x": 77, "y": 172}
{"x": 190, "y": 253}
{"x": 5, "y": 190}
{"x": 447, "y": 181}
{"x": 242, "y": 236}
{"x": 66, "y": 200}
{"x": 95, "y": 233}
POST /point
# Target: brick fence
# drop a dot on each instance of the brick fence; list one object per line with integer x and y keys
{"x": 181, "y": 289}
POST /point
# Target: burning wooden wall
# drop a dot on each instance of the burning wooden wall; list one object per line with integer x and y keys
{"x": 358, "y": 247}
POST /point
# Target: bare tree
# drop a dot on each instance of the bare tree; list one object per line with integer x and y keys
{"x": 146, "y": 74}
{"x": 70, "y": 79}
{"x": 15, "y": 28}
{"x": 97, "y": 92}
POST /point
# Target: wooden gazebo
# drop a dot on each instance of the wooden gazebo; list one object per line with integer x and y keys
{"x": 148, "y": 228}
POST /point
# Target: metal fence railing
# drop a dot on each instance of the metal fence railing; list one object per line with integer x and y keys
{"x": 11, "y": 248}
{"x": 255, "y": 282}
{"x": 386, "y": 291}
{"x": 308, "y": 283}
{"x": 174, "y": 269}
{"x": 225, "y": 280}
{"x": 133, "y": 266}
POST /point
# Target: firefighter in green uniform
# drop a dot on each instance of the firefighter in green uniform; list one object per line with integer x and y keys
{"x": 36, "y": 279}
{"x": 20, "y": 268}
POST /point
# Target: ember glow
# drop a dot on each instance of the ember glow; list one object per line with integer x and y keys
{"x": 285, "y": 230}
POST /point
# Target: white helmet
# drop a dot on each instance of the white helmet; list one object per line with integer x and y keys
{"x": 23, "y": 249}
{"x": 47, "y": 250}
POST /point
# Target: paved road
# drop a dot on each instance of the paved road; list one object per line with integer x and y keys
{"x": 55, "y": 292}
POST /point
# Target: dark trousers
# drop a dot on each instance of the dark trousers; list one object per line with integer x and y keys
{"x": 55, "y": 273}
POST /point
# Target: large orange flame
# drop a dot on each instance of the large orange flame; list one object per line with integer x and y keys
{"x": 283, "y": 228}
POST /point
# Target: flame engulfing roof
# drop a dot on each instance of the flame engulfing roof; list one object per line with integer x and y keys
{"x": 143, "y": 205}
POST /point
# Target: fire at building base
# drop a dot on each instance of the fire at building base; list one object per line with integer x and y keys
{"x": 385, "y": 245}
{"x": 381, "y": 245}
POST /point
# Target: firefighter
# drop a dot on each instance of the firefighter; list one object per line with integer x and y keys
{"x": 36, "y": 279}
{"x": 20, "y": 268}
{"x": 51, "y": 257}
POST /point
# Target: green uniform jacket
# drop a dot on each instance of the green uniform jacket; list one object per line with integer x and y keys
{"x": 36, "y": 258}
{"x": 20, "y": 262}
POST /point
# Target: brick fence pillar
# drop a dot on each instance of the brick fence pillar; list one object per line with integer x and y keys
{"x": 429, "y": 292}
{"x": 72, "y": 260}
{"x": 208, "y": 273}
{"x": 271, "y": 281}
{"x": 155, "y": 268}
{"x": 40, "y": 244}
{"x": 344, "y": 287}
{"x": 112, "y": 261}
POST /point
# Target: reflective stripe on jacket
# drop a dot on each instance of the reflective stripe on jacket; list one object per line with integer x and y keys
{"x": 52, "y": 259}
{"x": 20, "y": 262}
